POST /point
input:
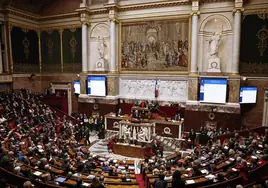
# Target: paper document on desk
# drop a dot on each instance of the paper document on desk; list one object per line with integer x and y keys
{"x": 204, "y": 171}
{"x": 86, "y": 184}
{"x": 76, "y": 175}
{"x": 91, "y": 177}
{"x": 60, "y": 179}
{"x": 210, "y": 176}
{"x": 37, "y": 173}
{"x": 190, "y": 181}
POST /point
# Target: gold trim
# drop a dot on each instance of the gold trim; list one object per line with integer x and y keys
{"x": 156, "y": 72}
{"x": 195, "y": 13}
{"x": 39, "y": 50}
{"x": 119, "y": 47}
{"x": 61, "y": 50}
{"x": 235, "y": 10}
{"x": 259, "y": 11}
{"x": 115, "y": 20}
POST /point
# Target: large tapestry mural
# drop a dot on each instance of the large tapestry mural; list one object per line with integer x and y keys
{"x": 254, "y": 44}
{"x": 155, "y": 46}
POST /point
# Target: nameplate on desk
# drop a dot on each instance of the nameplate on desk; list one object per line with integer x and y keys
{"x": 190, "y": 181}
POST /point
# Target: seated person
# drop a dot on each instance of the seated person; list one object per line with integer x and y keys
{"x": 161, "y": 182}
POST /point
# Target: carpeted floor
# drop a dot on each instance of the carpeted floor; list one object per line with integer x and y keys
{"x": 140, "y": 180}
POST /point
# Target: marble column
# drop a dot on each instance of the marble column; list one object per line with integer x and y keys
{"x": 84, "y": 47}
{"x": 1, "y": 59}
{"x": 113, "y": 45}
{"x": 236, "y": 41}
{"x": 194, "y": 43}
{"x": 4, "y": 37}
{"x": 39, "y": 50}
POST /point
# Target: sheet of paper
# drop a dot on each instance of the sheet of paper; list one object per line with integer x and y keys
{"x": 190, "y": 181}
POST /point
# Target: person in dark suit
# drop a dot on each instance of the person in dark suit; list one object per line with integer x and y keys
{"x": 192, "y": 136}
{"x": 177, "y": 182}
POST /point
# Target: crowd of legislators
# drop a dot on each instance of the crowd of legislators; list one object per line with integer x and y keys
{"x": 30, "y": 129}
{"x": 31, "y": 133}
{"x": 247, "y": 153}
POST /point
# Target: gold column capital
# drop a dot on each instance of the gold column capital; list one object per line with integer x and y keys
{"x": 195, "y": 13}
{"x": 61, "y": 31}
{"x": 235, "y": 10}
{"x": 115, "y": 20}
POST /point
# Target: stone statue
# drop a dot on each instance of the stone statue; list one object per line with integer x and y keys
{"x": 101, "y": 48}
{"x": 214, "y": 44}
{"x": 143, "y": 134}
{"x": 214, "y": 60}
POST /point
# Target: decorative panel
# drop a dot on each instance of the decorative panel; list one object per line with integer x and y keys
{"x": 50, "y": 47}
{"x": 170, "y": 90}
{"x": 254, "y": 44}
{"x": 25, "y": 50}
{"x": 173, "y": 90}
{"x": 72, "y": 50}
{"x": 155, "y": 46}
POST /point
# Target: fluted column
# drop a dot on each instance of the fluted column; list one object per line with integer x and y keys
{"x": 113, "y": 44}
{"x": 194, "y": 42}
{"x": 84, "y": 47}
{"x": 236, "y": 41}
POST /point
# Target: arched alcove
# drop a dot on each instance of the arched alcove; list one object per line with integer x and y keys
{"x": 215, "y": 24}
{"x": 99, "y": 35}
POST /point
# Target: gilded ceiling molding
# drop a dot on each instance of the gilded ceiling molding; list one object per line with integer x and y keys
{"x": 259, "y": 11}
{"x": 150, "y": 6}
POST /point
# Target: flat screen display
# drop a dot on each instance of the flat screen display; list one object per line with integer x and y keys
{"x": 96, "y": 86}
{"x": 248, "y": 95}
{"x": 76, "y": 87}
{"x": 213, "y": 90}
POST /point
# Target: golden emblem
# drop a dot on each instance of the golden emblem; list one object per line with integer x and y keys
{"x": 50, "y": 45}
{"x": 26, "y": 44}
{"x": 73, "y": 44}
{"x": 262, "y": 36}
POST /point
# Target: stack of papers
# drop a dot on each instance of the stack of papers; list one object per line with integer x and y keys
{"x": 168, "y": 177}
{"x": 190, "y": 181}
{"x": 231, "y": 159}
{"x": 131, "y": 167}
{"x": 188, "y": 169}
{"x": 234, "y": 169}
{"x": 101, "y": 159}
{"x": 122, "y": 167}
